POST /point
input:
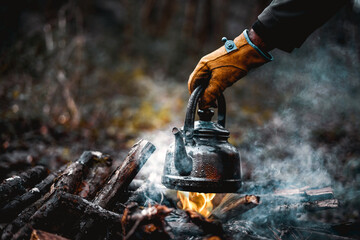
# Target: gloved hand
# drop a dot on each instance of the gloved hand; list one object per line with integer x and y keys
{"x": 220, "y": 69}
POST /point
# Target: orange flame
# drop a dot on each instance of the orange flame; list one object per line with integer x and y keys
{"x": 199, "y": 202}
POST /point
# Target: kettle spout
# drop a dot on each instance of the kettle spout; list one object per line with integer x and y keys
{"x": 183, "y": 163}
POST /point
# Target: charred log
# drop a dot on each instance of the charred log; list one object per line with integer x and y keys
{"x": 75, "y": 206}
{"x": 233, "y": 205}
{"x": 307, "y": 194}
{"x": 124, "y": 174}
{"x": 68, "y": 181}
{"x": 17, "y": 185}
{"x": 72, "y": 177}
{"x": 14, "y": 207}
{"x": 42, "y": 235}
{"x": 120, "y": 180}
{"x": 209, "y": 226}
{"x": 96, "y": 178}
{"x": 308, "y": 206}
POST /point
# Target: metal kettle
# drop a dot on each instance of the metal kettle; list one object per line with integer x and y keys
{"x": 201, "y": 159}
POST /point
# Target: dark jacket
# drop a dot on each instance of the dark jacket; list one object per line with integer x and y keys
{"x": 285, "y": 24}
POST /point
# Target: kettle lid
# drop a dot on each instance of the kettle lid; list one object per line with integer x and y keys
{"x": 210, "y": 129}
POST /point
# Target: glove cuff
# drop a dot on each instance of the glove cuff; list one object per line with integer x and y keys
{"x": 266, "y": 55}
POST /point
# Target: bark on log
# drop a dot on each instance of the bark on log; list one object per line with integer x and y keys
{"x": 124, "y": 174}
{"x": 76, "y": 206}
{"x": 68, "y": 181}
{"x": 307, "y": 193}
{"x": 13, "y": 208}
{"x": 96, "y": 178}
{"x": 22, "y": 218}
{"x": 17, "y": 185}
{"x": 71, "y": 178}
{"x": 41, "y": 235}
{"x": 307, "y": 206}
{"x": 120, "y": 180}
{"x": 233, "y": 205}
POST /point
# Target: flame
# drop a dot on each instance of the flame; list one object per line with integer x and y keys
{"x": 199, "y": 202}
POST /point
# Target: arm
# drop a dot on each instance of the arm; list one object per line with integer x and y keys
{"x": 284, "y": 24}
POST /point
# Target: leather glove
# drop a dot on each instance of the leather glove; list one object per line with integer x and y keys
{"x": 221, "y": 69}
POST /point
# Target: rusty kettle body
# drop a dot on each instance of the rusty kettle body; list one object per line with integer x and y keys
{"x": 201, "y": 159}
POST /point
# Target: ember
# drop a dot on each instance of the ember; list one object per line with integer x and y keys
{"x": 199, "y": 202}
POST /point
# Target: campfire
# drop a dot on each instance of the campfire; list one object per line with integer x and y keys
{"x": 84, "y": 200}
{"x": 198, "y": 202}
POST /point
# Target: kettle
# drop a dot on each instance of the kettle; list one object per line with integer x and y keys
{"x": 201, "y": 159}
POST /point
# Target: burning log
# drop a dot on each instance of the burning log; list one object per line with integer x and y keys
{"x": 17, "y": 185}
{"x": 208, "y": 225}
{"x": 14, "y": 207}
{"x": 234, "y": 205}
{"x": 41, "y": 235}
{"x": 150, "y": 220}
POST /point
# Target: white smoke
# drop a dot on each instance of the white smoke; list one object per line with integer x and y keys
{"x": 153, "y": 168}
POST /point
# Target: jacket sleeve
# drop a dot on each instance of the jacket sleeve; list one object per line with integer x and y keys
{"x": 285, "y": 24}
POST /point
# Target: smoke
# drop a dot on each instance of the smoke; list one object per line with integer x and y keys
{"x": 153, "y": 168}
{"x": 279, "y": 153}
{"x": 311, "y": 139}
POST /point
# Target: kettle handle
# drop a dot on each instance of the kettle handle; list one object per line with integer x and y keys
{"x": 191, "y": 109}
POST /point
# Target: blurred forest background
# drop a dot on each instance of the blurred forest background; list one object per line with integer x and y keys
{"x": 99, "y": 74}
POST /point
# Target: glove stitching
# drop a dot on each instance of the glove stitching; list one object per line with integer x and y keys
{"x": 226, "y": 54}
{"x": 230, "y": 66}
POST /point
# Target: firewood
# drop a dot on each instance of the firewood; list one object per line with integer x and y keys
{"x": 14, "y": 207}
{"x": 208, "y": 225}
{"x": 319, "y": 194}
{"x": 17, "y": 185}
{"x": 76, "y": 206}
{"x": 124, "y": 174}
{"x": 72, "y": 177}
{"x": 96, "y": 178}
{"x": 14, "y": 161}
{"x": 233, "y": 205}
{"x": 148, "y": 223}
{"x": 68, "y": 181}
{"x": 22, "y": 219}
{"x": 307, "y": 206}
{"x": 307, "y": 193}
{"x": 42, "y": 235}
{"x": 120, "y": 180}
